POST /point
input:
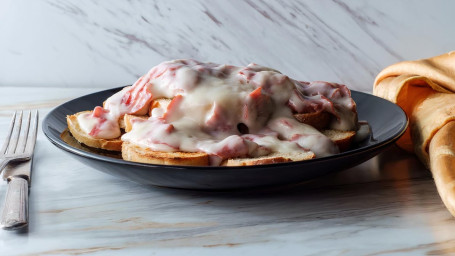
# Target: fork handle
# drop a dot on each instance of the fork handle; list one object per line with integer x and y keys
{"x": 3, "y": 163}
{"x": 15, "y": 211}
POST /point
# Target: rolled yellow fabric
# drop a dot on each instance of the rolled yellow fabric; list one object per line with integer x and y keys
{"x": 425, "y": 90}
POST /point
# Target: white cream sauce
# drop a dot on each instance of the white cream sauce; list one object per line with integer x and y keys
{"x": 225, "y": 111}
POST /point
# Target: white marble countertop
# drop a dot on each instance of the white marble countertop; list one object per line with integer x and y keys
{"x": 103, "y": 43}
{"x": 388, "y": 205}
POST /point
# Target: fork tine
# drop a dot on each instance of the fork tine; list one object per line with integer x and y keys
{"x": 8, "y": 137}
{"x": 24, "y": 136}
{"x": 17, "y": 130}
{"x": 32, "y": 135}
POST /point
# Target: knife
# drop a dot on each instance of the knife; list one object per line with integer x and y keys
{"x": 15, "y": 210}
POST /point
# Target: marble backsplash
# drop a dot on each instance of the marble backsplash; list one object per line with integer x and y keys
{"x": 111, "y": 43}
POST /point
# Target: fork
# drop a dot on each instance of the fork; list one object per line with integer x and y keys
{"x": 19, "y": 146}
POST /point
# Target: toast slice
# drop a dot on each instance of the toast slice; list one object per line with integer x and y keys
{"x": 135, "y": 153}
{"x": 131, "y": 152}
{"x": 270, "y": 159}
{"x": 319, "y": 120}
{"x": 343, "y": 139}
{"x": 83, "y": 137}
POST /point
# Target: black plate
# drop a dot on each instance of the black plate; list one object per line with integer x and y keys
{"x": 387, "y": 121}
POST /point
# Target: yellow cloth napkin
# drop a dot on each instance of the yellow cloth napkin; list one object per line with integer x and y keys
{"x": 425, "y": 90}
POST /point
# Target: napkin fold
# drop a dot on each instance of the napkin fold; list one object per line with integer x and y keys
{"x": 425, "y": 90}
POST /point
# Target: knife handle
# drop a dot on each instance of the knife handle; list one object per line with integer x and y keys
{"x": 15, "y": 210}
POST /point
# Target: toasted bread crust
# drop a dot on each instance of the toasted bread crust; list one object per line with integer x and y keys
{"x": 83, "y": 137}
{"x": 343, "y": 139}
{"x": 135, "y": 153}
{"x": 319, "y": 120}
{"x": 269, "y": 159}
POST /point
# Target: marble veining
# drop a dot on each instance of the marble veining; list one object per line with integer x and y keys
{"x": 106, "y": 44}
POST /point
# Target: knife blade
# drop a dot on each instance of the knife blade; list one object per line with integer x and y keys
{"x": 15, "y": 209}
